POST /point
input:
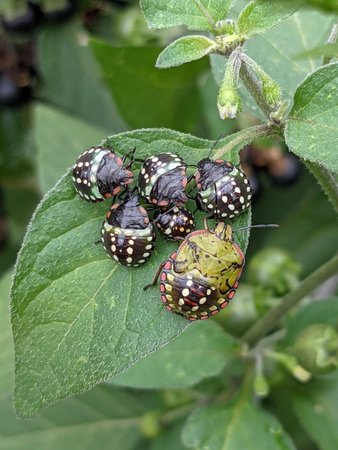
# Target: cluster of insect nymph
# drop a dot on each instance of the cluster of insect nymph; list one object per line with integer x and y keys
{"x": 201, "y": 277}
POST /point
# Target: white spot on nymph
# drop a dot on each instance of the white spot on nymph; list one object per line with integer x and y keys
{"x": 86, "y": 197}
{"x": 237, "y": 189}
{"x": 129, "y": 260}
{"x": 74, "y": 179}
{"x": 143, "y": 171}
{"x": 80, "y": 164}
{"x": 233, "y": 183}
{"x": 241, "y": 199}
{"x": 189, "y": 283}
{"x": 148, "y": 247}
{"x": 93, "y": 197}
{"x": 154, "y": 159}
{"x": 167, "y": 231}
{"x": 141, "y": 261}
{"x": 115, "y": 257}
{"x": 150, "y": 238}
{"x": 131, "y": 242}
{"x": 113, "y": 248}
{"x": 208, "y": 291}
{"x": 205, "y": 200}
{"x": 210, "y": 206}
{"x": 185, "y": 292}
{"x": 249, "y": 196}
{"x": 224, "y": 199}
{"x": 194, "y": 308}
{"x": 181, "y": 302}
{"x": 85, "y": 181}
{"x": 130, "y": 251}
{"x": 223, "y": 214}
{"x": 145, "y": 255}
{"x": 231, "y": 207}
{"x": 78, "y": 180}
{"x": 248, "y": 189}
{"x": 87, "y": 164}
{"x": 246, "y": 181}
{"x": 202, "y": 300}
{"x": 231, "y": 216}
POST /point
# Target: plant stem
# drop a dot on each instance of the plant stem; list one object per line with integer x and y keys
{"x": 268, "y": 321}
{"x": 327, "y": 180}
{"x": 254, "y": 86}
{"x": 332, "y": 40}
{"x": 244, "y": 137}
{"x": 205, "y": 13}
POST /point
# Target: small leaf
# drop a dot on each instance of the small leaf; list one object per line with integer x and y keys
{"x": 311, "y": 130}
{"x": 178, "y": 364}
{"x": 316, "y": 408}
{"x": 228, "y": 101}
{"x": 238, "y": 425}
{"x": 78, "y": 317}
{"x": 185, "y": 49}
{"x": 172, "y": 13}
{"x": 6, "y": 354}
{"x": 58, "y": 147}
{"x": 134, "y": 82}
{"x": 260, "y": 16}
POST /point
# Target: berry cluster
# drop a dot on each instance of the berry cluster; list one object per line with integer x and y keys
{"x": 200, "y": 278}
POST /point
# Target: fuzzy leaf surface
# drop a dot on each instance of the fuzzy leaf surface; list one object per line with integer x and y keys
{"x": 183, "y": 50}
{"x": 311, "y": 129}
{"x": 172, "y": 13}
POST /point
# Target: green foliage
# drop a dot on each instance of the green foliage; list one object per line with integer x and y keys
{"x": 260, "y": 16}
{"x": 309, "y": 131}
{"x": 201, "y": 351}
{"x": 189, "y": 13}
{"x": 316, "y": 409}
{"x": 173, "y": 93}
{"x": 236, "y": 425}
{"x": 330, "y": 50}
{"x": 183, "y": 50}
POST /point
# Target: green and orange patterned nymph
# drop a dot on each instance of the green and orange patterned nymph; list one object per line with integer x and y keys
{"x": 201, "y": 278}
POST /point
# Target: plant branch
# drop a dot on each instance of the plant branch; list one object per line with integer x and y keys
{"x": 244, "y": 137}
{"x": 332, "y": 40}
{"x": 269, "y": 320}
{"x": 327, "y": 180}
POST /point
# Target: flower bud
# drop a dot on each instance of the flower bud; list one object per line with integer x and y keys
{"x": 228, "y": 101}
{"x": 316, "y": 348}
{"x": 150, "y": 424}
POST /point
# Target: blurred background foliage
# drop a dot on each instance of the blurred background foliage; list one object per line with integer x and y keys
{"x": 72, "y": 77}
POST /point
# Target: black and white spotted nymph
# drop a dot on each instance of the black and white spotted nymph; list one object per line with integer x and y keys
{"x": 128, "y": 237}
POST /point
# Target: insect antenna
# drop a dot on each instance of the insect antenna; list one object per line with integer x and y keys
{"x": 267, "y": 225}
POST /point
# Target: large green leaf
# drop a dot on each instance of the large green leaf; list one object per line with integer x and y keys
{"x": 170, "y": 439}
{"x": 58, "y": 147}
{"x": 78, "y": 317}
{"x": 238, "y": 425}
{"x": 171, "y": 13}
{"x": 71, "y": 77}
{"x": 316, "y": 408}
{"x": 311, "y": 130}
{"x": 275, "y": 51}
{"x": 261, "y": 15}
{"x": 146, "y": 96}
{"x": 179, "y": 364}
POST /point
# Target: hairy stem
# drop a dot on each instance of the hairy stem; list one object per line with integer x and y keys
{"x": 327, "y": 180}
{"x": 205, "y": 13}
{"x": 244, "y": 137}
{"x": 269, "y": 320}
{"x": 332, "y": 40}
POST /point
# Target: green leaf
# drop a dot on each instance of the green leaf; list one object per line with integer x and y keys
{"x": 79, "y": 318}
{"x": 234, "y": 426}
{"x": 275, "y": 52}
{"x": 172, "y": 13}
{"x": 183, "y": 50}
{"x": 170, "y": 439}
{"x": 6, "y": 354}
{"x": 71, "y": 77}
{"x": 58, "y": 147}
{"x": 105, "y": 418}
{"x": 323, "y": 50}
{"x": 316, "y": 408}
{"x": 145, "y": 96}
{"x": 178, "y": 364}
{"x": 326, "y": 5}
{"x": 310, "y": 129}
{"x": 260, "y": 16}
{"x": 323, "y": 311}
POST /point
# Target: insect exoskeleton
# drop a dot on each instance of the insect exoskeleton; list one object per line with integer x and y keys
{"x": 99, "y": 173}
{"x": 127, "y": 235}
{"x": 201, "y": 278}
{"x": 162, "y": 180}
{"x": 175, "y": 223}
{"x": 223, "y": 190}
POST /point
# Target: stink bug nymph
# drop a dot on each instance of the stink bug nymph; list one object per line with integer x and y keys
{"x": 201, "y": 278}
{"x": 223, "y": 190}
{"x": 162, "y": 180}
{"x": 99, "y": 173}
{"x": 127, "y": 235}
{"x": 175, "y": 223}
